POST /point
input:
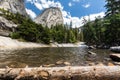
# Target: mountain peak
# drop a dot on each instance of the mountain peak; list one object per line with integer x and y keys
{"x": 50, "y": 16}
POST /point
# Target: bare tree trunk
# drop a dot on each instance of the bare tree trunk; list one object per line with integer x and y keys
{"x": 62, "y": 73}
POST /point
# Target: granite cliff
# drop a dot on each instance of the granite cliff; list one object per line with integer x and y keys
{"x": 50, "y": 17}
{"x": 6, "y": 26}
{"x": 14, "y": 6}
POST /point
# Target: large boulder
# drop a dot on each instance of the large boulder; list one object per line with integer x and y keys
{"x": 50, "y": 16}
{"x": 115, "y": 49}
{"x": 115, "y": 57}
{"x": 14, "y": 6}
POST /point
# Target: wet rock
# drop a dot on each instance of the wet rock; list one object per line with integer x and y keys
{"x": 91, "y": 64}
{"x": 115, "y": 57}
{"x": 115, "y": 49}
{"x": 17, "y": 65}
{"x": 49, "y": 65}
{"x": 107, "y": 59}
{"x": 91, "y": 53}
{"x": 103, "y": 46}
{"x": 91, "y": 47}
{"x": 67, "y": 63}
{"x": 59, "y": 62}
{"x": 90, "y": 56}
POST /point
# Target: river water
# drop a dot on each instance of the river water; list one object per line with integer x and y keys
{"x": 41, "y": 56}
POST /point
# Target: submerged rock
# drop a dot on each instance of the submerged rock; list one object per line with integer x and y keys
{"x": 59, "y": 62}
{"x": 107, "y": 59}
{"x": 91, "y": 47}
{"x": 103, "y": 46}
{"x": 49, "y": 65}
{"x": 91, "y": 64}
{"x": 91, "y": 53}
{"x": 67, "y": 63}
{"x": 63, "y": 63}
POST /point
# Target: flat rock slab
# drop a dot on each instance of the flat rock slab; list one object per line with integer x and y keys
{"x": 115, "y": 57}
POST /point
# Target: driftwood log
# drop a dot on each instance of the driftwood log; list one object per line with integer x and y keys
{"x": 62, "y": 73}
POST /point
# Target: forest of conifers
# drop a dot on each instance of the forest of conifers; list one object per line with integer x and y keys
{"x": 105, "y": 31}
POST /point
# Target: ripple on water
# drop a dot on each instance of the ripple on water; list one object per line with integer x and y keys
{"x": 44, "y": 56}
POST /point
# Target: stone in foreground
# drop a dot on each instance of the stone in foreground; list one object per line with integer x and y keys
{"x": 50, "y": 17}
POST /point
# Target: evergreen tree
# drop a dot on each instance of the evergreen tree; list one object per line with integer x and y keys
{"x": 104, "y": 31}
{"x": 113, "y": 22}
{"x": 113, "y": 7}
{"x": 30, "y": 31}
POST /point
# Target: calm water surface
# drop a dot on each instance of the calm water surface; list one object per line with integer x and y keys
{"x": 41, "y": 56}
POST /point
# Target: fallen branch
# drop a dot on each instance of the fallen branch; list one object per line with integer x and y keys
{"x": 62, "y": 73}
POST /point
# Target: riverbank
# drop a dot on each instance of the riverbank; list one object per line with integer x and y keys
{"x": 6, "y": 43}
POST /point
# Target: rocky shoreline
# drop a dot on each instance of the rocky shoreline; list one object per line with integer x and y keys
{"x": 6, "y": 43}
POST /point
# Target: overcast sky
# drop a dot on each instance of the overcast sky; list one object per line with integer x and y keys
{"x": 72, "y": 10}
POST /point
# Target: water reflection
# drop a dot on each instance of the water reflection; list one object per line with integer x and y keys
{"x": 40, "y": 56}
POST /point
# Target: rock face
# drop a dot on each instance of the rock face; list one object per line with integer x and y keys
{"x": 50, "y": 16}
{"x": 6, "y": 24}
{"x": 14, "y": 6}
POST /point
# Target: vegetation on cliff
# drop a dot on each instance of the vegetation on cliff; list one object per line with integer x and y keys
{"x": 105, "y": 30}
{"x": 30, "y": 31}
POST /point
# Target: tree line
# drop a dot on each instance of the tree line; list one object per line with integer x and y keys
{"x": 30, "y": 31}
{"x": 104, "y": 31}
{"x": 101, "y": 31}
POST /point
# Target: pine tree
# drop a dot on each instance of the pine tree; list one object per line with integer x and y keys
{"x": 113, "y": 22}
{"x": 113, "y": 7}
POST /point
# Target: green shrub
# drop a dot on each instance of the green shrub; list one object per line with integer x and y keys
{"x": 15, "y": 35}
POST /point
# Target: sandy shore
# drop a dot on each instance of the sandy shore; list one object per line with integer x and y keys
{"x": 8, "y": 43}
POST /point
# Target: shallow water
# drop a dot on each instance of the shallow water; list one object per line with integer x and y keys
{"x": 41, "y": 56}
